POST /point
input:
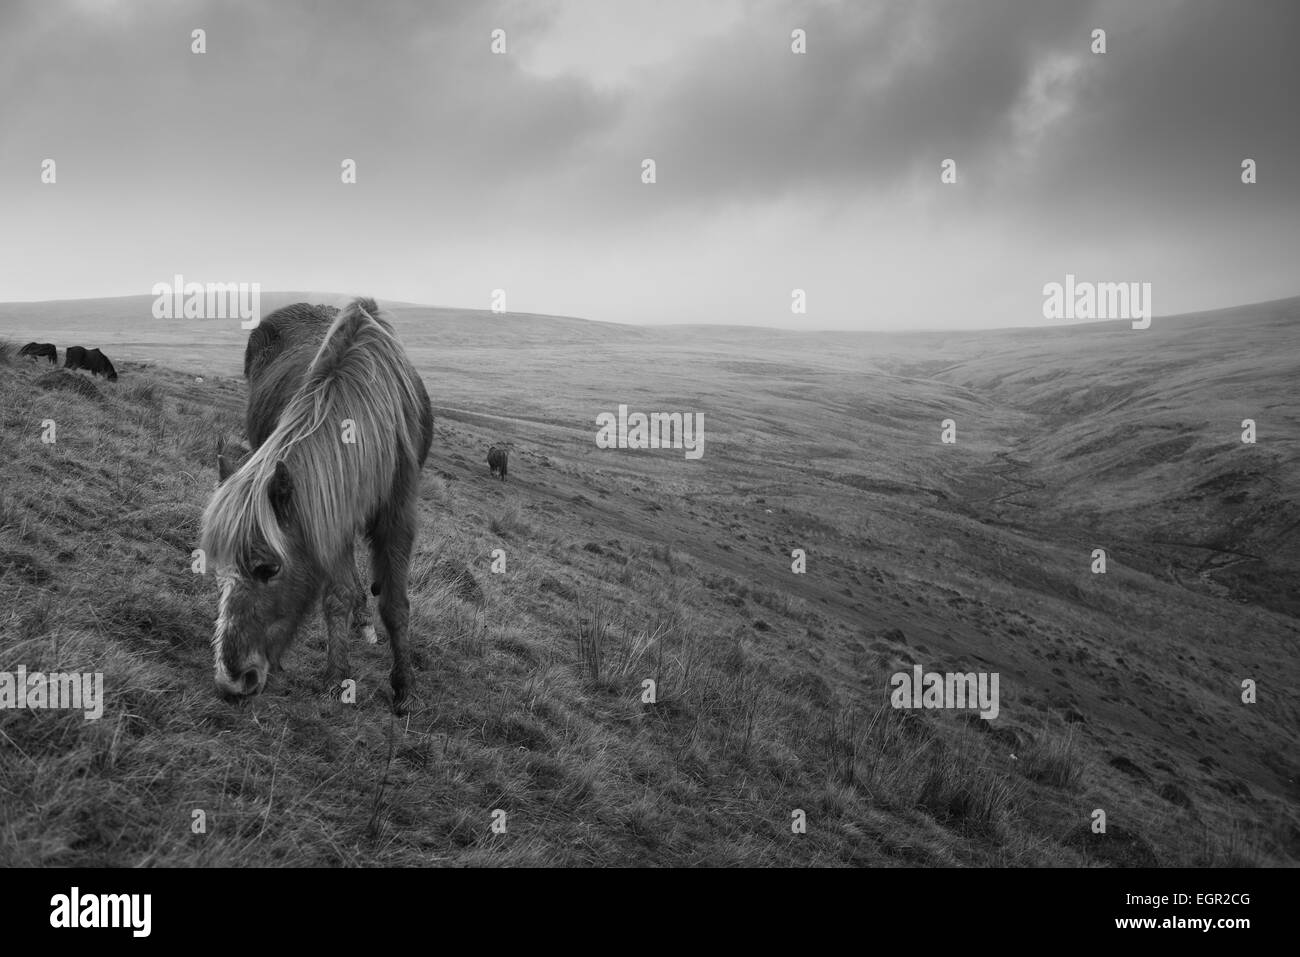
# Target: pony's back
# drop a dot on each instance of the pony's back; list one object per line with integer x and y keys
{"x": 279, "y": 350}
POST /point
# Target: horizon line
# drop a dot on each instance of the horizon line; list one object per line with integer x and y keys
{"x": 1064, "y": 324}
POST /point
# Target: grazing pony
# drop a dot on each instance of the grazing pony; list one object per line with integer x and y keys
{"x": 498, "y": 458}
{"x": 92, "y": 360}
{"x": 342, "y": 425}
{"x": 98, "y": 364}
{"x": 38, "y": 350}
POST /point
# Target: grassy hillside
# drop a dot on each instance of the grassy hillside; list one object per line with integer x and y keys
{"x": 1139, "y": 435}
{"x": 1119, "y": 692}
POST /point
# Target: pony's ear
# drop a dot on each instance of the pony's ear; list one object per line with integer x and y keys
{"x": 230, "y": 458}
{"x": 225, "y": 468}
{"x": 280, "y": 491}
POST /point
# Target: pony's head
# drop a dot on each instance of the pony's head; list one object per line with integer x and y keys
{"x": 265, "y": 570}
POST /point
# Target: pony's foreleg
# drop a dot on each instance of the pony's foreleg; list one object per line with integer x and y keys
{"x": 336, "y": 605}
{"x": 363, "y": 623}
{"x": 391, "y": 544}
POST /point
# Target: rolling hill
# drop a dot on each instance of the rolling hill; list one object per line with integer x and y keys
{"x": 1119, "y": 691}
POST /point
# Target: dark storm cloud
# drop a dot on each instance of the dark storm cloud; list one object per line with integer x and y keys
{"x": 1179, "y": 101}
{"x": 882, "y": 87}
{"x": 885, "y": 92}
{"x": 888, "y": 90}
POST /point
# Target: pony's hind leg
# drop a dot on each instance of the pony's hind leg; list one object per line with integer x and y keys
{"x": 391, "y": 544}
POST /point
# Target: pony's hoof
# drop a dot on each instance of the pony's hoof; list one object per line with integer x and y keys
{"x": 331, "y": 689}
{"x": 405, "y": 702}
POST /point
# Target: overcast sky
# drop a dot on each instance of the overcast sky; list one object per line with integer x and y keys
{"x": 522, "y": 171}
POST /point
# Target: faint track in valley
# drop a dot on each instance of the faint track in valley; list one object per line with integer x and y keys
{"x": 1008, "y": 474}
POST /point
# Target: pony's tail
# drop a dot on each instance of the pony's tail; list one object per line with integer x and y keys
{"x": 365, "y": 306}
{"x": 358, "y": 306}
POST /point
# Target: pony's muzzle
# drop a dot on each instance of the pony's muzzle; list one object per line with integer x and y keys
{"x": 246, "y": 682}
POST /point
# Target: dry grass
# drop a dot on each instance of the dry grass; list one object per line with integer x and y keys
{"x": 533, "y": 689}
{"x": 1051, "y": 760}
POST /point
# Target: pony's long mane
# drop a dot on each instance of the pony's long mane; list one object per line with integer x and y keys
{"x": 360, "y": 373}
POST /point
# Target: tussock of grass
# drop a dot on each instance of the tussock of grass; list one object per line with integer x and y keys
{"x": 1051, "y": 759}
{"x": 62, "y": 380}
{"x": 964, "y": 791}
{"x": 509, "y": 523}
{"x": 1234, "y": 846}
{"x": 144, "y": 392}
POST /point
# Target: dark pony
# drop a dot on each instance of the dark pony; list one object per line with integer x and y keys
{"x": 41, "y": 350}
{"x": 98, "y": 364}
{"x": 92, "y": 360}
{"x": 341, "y": 425}
{"x": 498, "y": 458}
